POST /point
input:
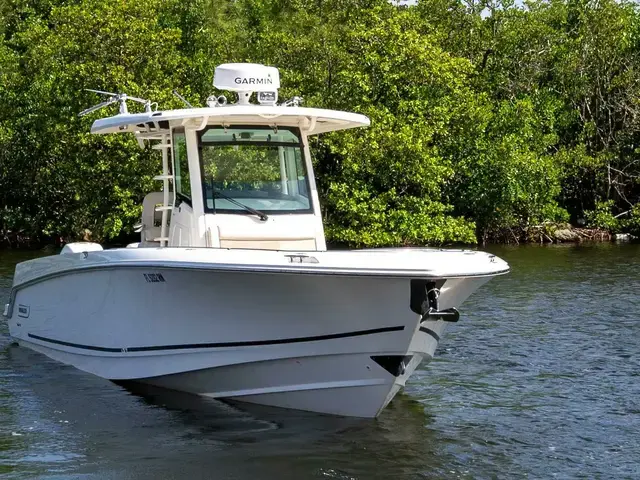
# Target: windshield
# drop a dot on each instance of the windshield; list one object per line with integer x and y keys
{"x": 259, "y": 167}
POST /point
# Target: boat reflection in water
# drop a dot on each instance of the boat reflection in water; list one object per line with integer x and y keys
{"x": 86, "y": 425}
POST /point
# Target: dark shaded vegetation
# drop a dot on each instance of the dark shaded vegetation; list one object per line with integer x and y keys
{"x": 489, "y": 121}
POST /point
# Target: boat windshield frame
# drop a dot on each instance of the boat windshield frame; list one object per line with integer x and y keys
{"x": 208, "y": 190}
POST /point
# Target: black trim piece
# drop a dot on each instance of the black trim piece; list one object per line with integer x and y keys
{"x": 233, "y": 211}
{"x": 280, "y": 341}
{"x": 250, "y": 343}
{"x": 183, "y": 199}
{"x": 75, "y": 345}
{"x": 295, "y": 130}
{"x": 249, "y": 142}
{"x": 394, "y": 364}
{"x": 428, "y": 331}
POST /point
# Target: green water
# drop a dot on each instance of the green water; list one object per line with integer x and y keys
{"x": 540, "y": 379}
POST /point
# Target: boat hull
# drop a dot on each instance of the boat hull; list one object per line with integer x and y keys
{"x": 340, "y": 345}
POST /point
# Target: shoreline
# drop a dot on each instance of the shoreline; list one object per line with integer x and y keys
{"x": 535, "y": 235}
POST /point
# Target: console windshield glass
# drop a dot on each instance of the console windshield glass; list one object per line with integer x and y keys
{"x": 260, "y": 168}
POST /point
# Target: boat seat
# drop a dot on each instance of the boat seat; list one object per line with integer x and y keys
{"x": 151, "y": 220}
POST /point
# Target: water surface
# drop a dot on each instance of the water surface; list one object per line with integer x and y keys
{"x": 540, "y": 378}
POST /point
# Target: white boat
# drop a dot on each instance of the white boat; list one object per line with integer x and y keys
{"x": 231, "y": 292}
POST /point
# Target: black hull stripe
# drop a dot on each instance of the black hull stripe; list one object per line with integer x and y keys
{"x": 74, "y": 345}
{"x": 252, "y": 343}
{"x": 428, "y": 331}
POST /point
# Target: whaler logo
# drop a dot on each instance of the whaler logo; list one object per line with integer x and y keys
{"x": 253, "y": 81}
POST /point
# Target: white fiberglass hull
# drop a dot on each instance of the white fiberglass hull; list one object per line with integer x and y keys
{"x": 338, "y": 344}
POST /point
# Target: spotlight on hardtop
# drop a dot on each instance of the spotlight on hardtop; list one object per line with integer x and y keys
{"x": 246, "y": 78}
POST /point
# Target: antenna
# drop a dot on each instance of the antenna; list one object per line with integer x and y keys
{"x": 293, "y": 102}
{"x": 184, "y": 100}
{"x": 121, "y": 98}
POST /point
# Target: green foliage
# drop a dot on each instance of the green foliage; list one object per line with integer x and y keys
{"x": 236, "y": 167}
{"x": 505, "y": 176}
{"x": 602, "y": 218}
{"x": 57, "y": 180}
{"x": 632, "y": 225}
{"x": 486, "y": 117}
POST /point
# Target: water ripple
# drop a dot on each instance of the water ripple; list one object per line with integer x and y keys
{"x": 539, "y": 379}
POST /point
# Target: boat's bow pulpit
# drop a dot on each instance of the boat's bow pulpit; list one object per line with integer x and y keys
{"x": 234, "y": 175}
